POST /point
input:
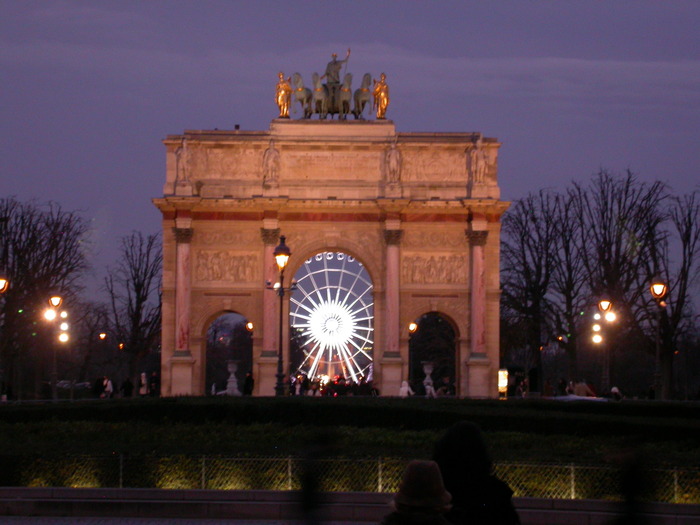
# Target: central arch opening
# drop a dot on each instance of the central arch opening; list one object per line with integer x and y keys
{"x": 331, "y": 316}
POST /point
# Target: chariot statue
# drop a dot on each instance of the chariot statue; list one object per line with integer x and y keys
{"x": 336, "y": 96}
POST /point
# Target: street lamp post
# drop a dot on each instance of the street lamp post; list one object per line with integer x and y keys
{"x": 281, "y": 255}
{"x": 605, "y": 307}
{"x": 658, "y": 291}
{"x": 51, "y": 315}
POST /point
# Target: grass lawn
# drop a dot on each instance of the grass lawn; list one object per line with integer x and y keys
{"x": 667, "y": 434}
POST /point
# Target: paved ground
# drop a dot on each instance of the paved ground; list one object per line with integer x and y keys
{"x": 7, "y": 520}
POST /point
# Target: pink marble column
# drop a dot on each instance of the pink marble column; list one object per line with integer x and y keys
{"x": 183, "y": 237}
{"x": 392, "y": 239}
{"x": 270, "y": 237}
{"x": 477, "y": 240}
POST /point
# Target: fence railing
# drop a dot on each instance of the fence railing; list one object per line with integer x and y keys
{"x": 331, "y": 475}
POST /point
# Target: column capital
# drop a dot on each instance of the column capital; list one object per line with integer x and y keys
{"x": 393, "y": 237}
{"x": 183, "y": 235}
{"x": 476, "y": 238}
{"x": 270, "y": 236}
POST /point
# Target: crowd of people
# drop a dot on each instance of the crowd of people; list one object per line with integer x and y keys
{"x": 579, "y": 388}
{"x": 301, "y": 385}
{"x": 148, "y": 386}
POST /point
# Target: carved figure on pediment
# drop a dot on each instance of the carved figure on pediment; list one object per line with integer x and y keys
{"x": 381, "y": 96}
{"x": 392, "y": 163}
{"x": 271, "y": 165}
{"x": 478, "y": 161}
{"x": 283, "y": 95}
{"x": 181, "y": 162}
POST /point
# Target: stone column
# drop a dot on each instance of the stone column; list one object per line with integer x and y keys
{"x": 183, "y": 236}
{"x": 477, "y": 240}
{"x": 392, "y": 363}
{"x": 182, "y": 362}
{"x": 270, "y": 238}
{"x": 393, "y": 240}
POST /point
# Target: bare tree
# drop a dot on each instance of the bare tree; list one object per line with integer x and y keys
{"x": 527, "y": 265}
{"x": 675, "y": 259}
{"x": 568, "y": 292}
{"x": 134, "y": 289}
{"x": 43, "y": 251}
{"x": 562, "y": 253}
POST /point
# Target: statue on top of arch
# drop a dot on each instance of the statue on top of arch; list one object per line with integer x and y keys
{"x": 336, "y": 96}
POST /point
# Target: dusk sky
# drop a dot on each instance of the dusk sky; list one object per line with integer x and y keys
{"x": 89, "y": 89}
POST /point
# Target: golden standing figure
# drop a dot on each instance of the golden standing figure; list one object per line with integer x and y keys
{"x": 284, "y": 95}
{"x": 381, "y": 96}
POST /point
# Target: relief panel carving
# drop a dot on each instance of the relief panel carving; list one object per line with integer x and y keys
{"x": 432, "y": 239}
{"x": 427, "y": 165}
{"x": 341, "y": 165}
{"x": 434, "y": 269}
{"x": 227, "y": 265}
{"x": 224, "y": 163}
{"x": 228, "y": 237}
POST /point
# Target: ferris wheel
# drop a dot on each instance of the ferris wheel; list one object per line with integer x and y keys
{"x": 331, "y": 313}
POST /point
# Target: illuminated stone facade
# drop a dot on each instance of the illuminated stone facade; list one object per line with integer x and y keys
{"x": 421, "y": 211}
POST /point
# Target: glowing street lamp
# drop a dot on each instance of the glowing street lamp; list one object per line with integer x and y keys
{"x": 55, "y": 300}
{"x": 281, "y": 255}
{"x": 51, "y": 314}
{"x": 4, "y": 282}
{"x": 605, "y": 307}
{"x": 412, "y": 327}
{"x": 658, "y": 289}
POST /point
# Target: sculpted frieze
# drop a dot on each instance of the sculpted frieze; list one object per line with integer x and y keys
{"x": 434, "y": 269}
{"x": 427, "y": 165}
{"x": 226, "y": 265}
{"x": 338, "y": 165}
{"x": 229, "y": 237}
{"x": 433, "y": 239}
{"x": 223, "y": 163}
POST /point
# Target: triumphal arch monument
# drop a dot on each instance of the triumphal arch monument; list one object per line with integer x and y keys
{"x": 383, "y": 226}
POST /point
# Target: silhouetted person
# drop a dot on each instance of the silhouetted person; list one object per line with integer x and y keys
{"x": 154, "y": 385}
{"x": 422, "y": 498}
{"x": 98, "y": 387}
{"x": 478, "y": 497}
{"x": 127, "y": 388}
{"x": 248, "y": 384}
{"x": 319, "y": 448}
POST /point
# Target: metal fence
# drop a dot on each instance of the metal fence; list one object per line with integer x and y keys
{"x": 334, "y": 475}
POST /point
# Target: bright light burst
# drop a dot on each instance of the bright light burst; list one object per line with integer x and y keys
{"x": 332, "y": 311}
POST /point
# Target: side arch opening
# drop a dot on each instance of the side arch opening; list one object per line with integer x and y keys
{"x": 432, "y": 350}
{"x": 229, "y": 355}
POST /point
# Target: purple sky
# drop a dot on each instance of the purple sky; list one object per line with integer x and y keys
{"x": 89, "y": 89}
